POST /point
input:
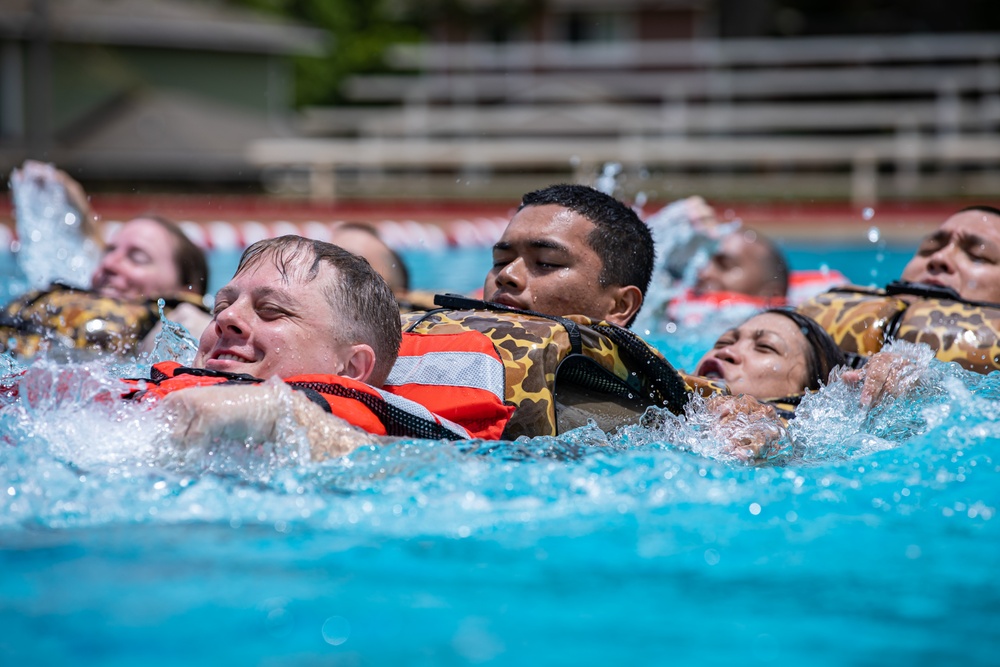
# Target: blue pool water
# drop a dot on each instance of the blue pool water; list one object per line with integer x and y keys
{"x": 880, "y": 551}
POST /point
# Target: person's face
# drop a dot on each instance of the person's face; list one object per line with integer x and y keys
{"x": 739, "y": 265}
{"x": 963, "y": 254}
{"x": 765, "y": 357}
{"x": 138, "y": 263}
{"x": 544, "y": 263}
{"x": 266, "y": 325}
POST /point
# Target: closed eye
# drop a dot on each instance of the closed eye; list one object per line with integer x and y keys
{"x": 271, "y": 312}
{"x": 139, "y": 256}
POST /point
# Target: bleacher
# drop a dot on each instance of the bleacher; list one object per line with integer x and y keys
{"x": 865, "y": 118}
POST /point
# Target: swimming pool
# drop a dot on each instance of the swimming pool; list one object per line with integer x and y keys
{"x": 550, "y": 552}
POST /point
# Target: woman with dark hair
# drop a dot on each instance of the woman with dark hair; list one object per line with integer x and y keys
{"x": 773, "y": 355}
{"x": 759, "y": 371}
{"x": 150, "y": 256}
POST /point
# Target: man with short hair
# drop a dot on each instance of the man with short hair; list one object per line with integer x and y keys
{"x": 961, "y": 259}
{"x": 299, "y": 306}
{"x": 573, "y": 250}
{"x": 322, "y": 321}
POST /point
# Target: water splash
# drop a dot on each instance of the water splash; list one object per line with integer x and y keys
{"x": 54, "y": 243}
{"x": 684, "y": 240}
{"x": 607, "y": 181}
{"x": 75, "y": 455}
{"x": 172, "y": 343}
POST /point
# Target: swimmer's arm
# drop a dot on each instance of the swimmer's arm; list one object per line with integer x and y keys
{"x": 265, "y": 412}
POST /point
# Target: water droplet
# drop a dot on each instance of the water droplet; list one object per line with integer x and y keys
{"x": 336, "y": 630}
{"x": 754, "y": 509}
{"x": 868, "y": 213}
{"x": 874, "y": 234}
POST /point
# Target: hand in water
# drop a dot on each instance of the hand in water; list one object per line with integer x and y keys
{"x": 266, "y": 412}
{"x": 885, "y": 375}
{"x": 753, "y": 429}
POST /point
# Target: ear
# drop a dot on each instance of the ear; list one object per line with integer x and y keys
{"x": 627, "y": 302}
{"x": 360, "y": 363}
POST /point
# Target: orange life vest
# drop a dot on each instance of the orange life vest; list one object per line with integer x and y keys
{"x": 458, "y": 376}
{"x": 690, "y": 309}
{"x": 442, "y": 387}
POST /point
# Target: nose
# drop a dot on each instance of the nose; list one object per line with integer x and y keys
{"x": 512, "y": 275}
{"x": 230, "y": 320}
{"x": 730, "y": 353}
{"x": 942, "y": 261}
{"x": 708, "y": 275}
{"x": 110, "y": 261}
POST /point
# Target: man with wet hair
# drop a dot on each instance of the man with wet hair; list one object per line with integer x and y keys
{"x": 573, "y": 250}
{"x": 297, "y": 310}
{"x": 304, "y": 337}
{"x": 297, "y": 306}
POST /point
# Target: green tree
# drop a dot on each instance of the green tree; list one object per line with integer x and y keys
{"x": 360, "y": 30}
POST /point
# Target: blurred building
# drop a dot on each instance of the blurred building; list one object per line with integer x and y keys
{"x": 143, "y": 89}
{"x": 562, "y": 20}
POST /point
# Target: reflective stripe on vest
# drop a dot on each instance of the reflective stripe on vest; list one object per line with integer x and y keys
{"x": 353, "y": 401}
{"x": 458, "y": 369}
{"x": 458, "y": 376}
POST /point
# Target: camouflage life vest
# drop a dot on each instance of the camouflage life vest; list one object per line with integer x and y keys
{"x": 862, "y": 320}
{"x": 63, "y": 318}
{"x": 563, "y": 371}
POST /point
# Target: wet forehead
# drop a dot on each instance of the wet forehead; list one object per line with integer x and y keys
{"x": 144, "y": 233}
{"x": 294, "y": 285}
{"x": 779, "y": 325}
{"x": 742, "y": 249}
{"x": 981, "y": 224}
{"x": 548, "y": 226}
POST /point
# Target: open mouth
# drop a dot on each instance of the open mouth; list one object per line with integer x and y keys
{"x": 228, "y": 357}
{"x": 711, "y": 369}
{"x": 222, "y": 358}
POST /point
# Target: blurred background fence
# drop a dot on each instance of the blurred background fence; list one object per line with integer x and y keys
{"x": 339, "y": 100}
